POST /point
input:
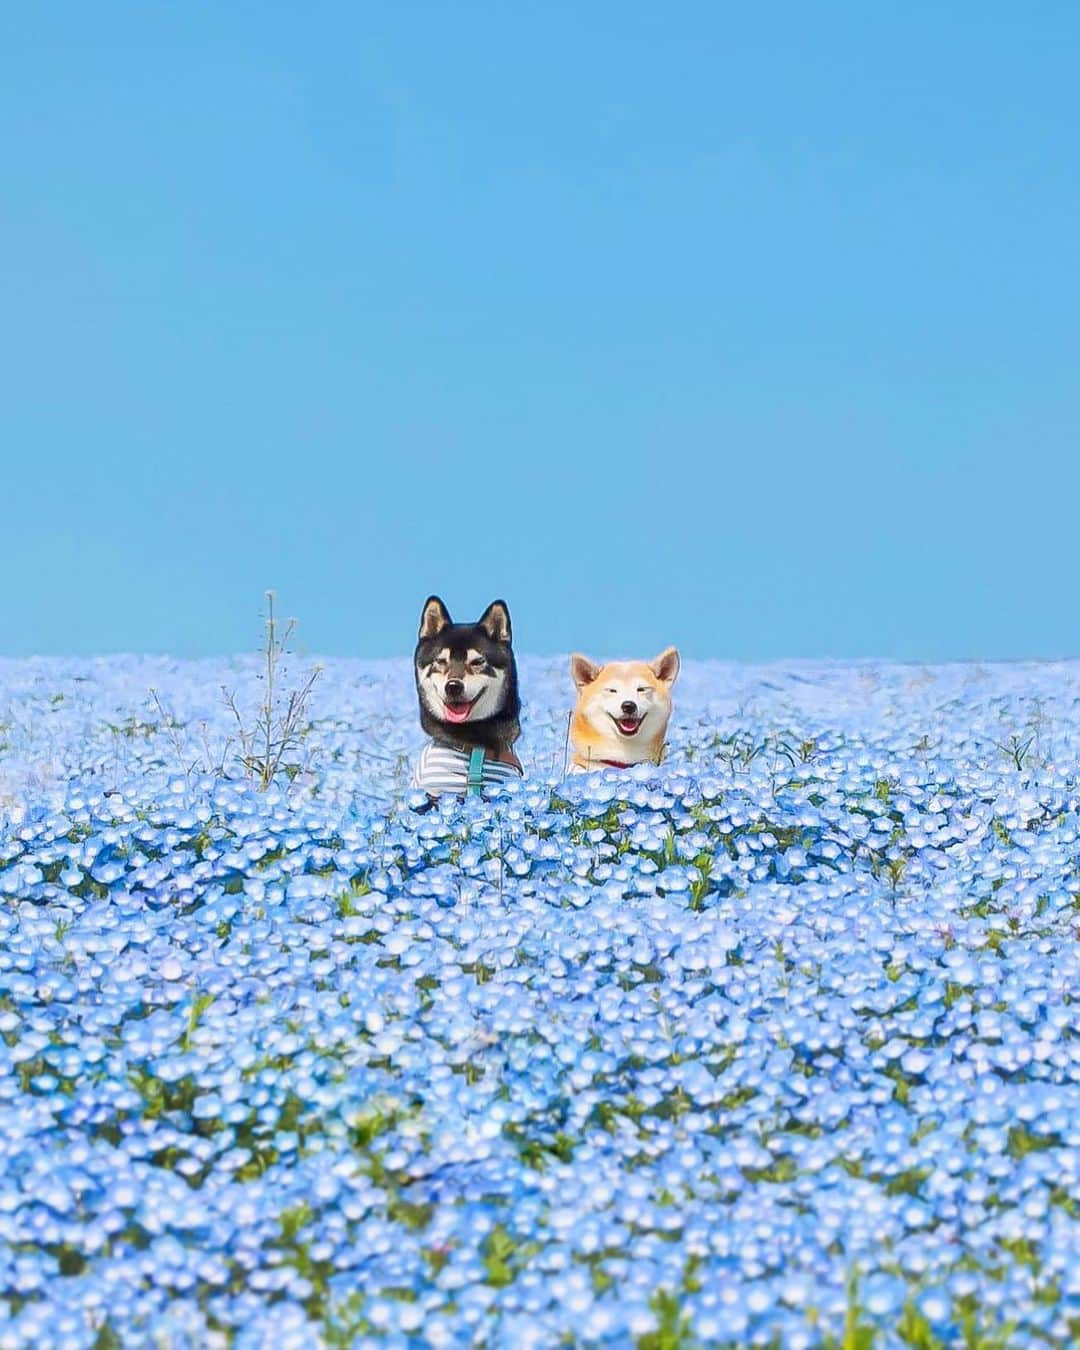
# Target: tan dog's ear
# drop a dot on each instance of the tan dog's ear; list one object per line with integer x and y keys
{"x": 495, "y": 621}
{"x": 666, "y": 666}
{"x": 582, "y": 670}
{"x": 435, "y": 617}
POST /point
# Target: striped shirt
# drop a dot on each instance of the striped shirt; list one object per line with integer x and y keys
{"x": 440, "y": 769}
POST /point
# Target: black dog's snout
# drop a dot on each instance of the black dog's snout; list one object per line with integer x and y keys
{"x": 455, "y": 688}
{"x": 629, "y": 708}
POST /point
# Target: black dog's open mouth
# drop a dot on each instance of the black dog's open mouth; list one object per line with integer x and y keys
{"x": 459, "y": 711}
{"x": 628, "y": 726}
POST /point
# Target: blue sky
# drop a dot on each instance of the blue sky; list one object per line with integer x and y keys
{"x": 751, "y": 329}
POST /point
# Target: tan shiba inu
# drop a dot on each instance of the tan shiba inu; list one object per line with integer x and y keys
{"x": 622, "y": 711}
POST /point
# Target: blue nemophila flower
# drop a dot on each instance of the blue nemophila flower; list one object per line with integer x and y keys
{"x": 691, "y": 1047}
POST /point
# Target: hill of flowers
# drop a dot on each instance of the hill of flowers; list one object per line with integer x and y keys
{"x": 776, "y": 1044}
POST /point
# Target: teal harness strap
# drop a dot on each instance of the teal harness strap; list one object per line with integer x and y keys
{"x": 475, "y": 779}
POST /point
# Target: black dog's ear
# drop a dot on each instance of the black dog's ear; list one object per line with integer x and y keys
{"x": 495, "y": 621}
{"x": 435, "y": 617}
{"x": 582, "y": 670}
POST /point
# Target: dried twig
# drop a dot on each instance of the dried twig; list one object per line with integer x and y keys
{"x": 279, "y": 728}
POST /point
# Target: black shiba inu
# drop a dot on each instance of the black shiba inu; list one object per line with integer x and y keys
{"x": 466, "y": 680}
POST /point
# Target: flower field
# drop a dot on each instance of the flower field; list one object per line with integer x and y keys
{"x": 774, "y": 1045}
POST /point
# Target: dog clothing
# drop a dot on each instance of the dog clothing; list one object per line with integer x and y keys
{"x": 594, "y": 764}
{"x": 441, "y": 769}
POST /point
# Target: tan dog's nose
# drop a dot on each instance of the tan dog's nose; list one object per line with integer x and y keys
{"x": 629, "y": 708}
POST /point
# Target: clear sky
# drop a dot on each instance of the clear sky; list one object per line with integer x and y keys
{"x": 751, "y": 328}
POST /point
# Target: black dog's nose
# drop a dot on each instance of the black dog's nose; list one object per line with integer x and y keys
{"x": 629, "y": 708}
{"x": 455, "y": 688}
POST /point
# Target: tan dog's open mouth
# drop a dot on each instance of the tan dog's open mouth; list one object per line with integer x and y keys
{"x": 628, "y": 726}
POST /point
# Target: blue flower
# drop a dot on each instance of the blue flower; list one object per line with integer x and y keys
{"x": 598, "y": 1057}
